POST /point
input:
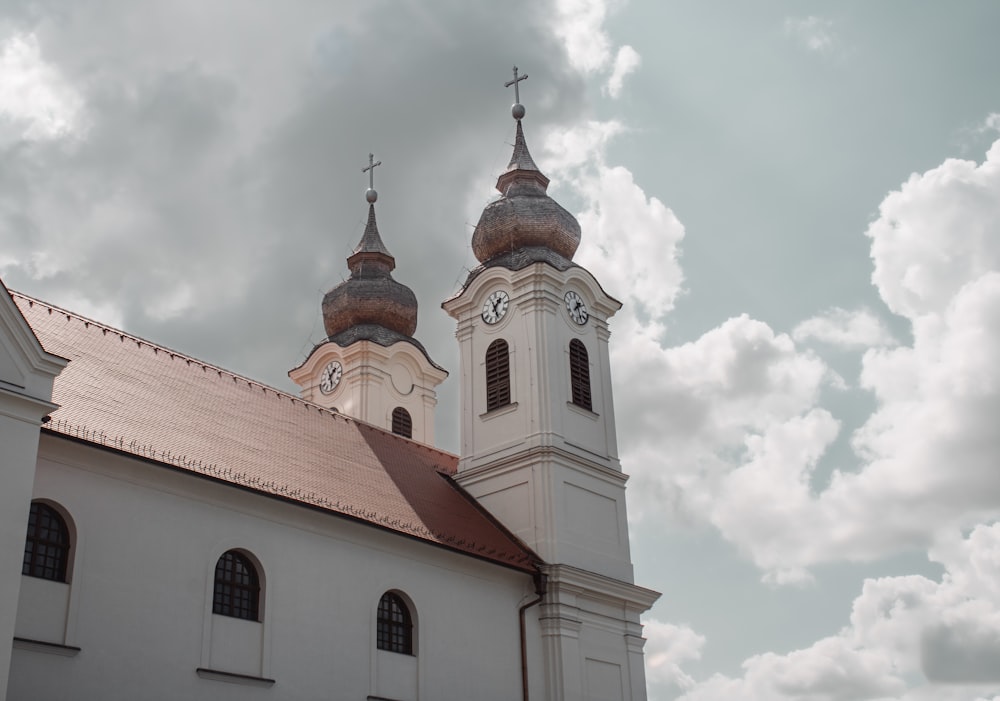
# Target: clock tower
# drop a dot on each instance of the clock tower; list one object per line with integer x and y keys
{"x": 370, "y": 367}
{"x": 538, "y": 444}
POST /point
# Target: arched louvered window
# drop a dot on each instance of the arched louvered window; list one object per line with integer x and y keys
{"x": 579, "y": 373}
{"x": 395, "y": 625}
{"x": 497, "y": 375}
{"x": 402, "y": 424}
{"x": 237, "y": 587}
{"x": 46, "y": 548}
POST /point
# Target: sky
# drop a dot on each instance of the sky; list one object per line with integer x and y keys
{"x": 798, "y": 204}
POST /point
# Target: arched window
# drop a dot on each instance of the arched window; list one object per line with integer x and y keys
{"x": 237, "y": 587}
{"x": 497, "y": 375}
{"x": 46, "y": 549}
{"x": 402, "y": 424}
{"x": 579, "y": 373}
{"x": 395, "y": 625}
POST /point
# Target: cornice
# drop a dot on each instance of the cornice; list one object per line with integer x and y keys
{"x": 532, "y": 456}
{"x": 24, "y": 407}
{"x": 578, "y": 581}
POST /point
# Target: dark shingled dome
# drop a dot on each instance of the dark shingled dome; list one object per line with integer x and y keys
{"x": 370, "y": 297}
{"x": 524, "y": 216}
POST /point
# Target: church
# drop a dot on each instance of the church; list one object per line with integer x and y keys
{"x": 172, "y": 530}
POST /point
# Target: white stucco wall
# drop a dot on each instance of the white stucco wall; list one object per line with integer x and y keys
{"x": 140, "y": 598}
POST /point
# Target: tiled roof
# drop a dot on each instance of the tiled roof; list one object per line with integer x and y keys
{"x": 133, "y": 396}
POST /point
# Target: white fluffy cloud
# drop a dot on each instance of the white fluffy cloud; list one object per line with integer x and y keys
{"x": 909, "y": 638}
{"x": 580, "y": 26}
{"x": 931, "y": 448}
{"x": 737, "y": 412}
{"x": 631, "y": 241}
{"x": 627, "y": 60}
{"x": 668, "y": 647}
{"x": 936, "y": 234}
{"x": 858, "y": 328}
{"x": 726, "y": 428}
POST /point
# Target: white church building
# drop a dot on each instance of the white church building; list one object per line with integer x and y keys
{"x": 172, "y": 530}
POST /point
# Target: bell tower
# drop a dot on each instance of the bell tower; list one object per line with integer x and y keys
{"x": 538, "y": 445}
{"x": 371, "y": 367}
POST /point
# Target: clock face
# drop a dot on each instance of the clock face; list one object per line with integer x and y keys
{"x": 576, "y": 308}
{"x": 330, "y": 378}
{"x": 495, "y": 307}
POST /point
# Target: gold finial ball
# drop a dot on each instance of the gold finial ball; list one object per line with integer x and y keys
{"x": 371, "y": 196}
{"x": 517, "y": 110}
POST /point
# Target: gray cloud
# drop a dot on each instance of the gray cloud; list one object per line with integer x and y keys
{"x": 966, "y": 652}
{"x": 214, "y": 190}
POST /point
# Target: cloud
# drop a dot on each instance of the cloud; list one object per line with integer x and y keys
{"x": 579, "y": 24}
{"x": 729, "y": 429}
{"x": 813, "y": 33}
{"x": 631, "y": 242}
{"x": 937, "y": 233}
{"x": 909, "y": 638}
{"x": 36, "y": 101}
{"x": 706, "y": 398}
{"x": 627, "y": 60}
{"x": 217, "y": 186}
{"x": 667, "y": 647}
{"x": 857, "y": 329}
{"x": 990, "y": 124}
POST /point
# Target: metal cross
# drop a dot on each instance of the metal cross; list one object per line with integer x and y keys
{"x": 517, "y": 79}
{"x": 371, "y": 170}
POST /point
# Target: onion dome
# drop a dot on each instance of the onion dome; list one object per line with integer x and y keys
{"x": 524, "y": 217}
{"x": 370, "y": 299}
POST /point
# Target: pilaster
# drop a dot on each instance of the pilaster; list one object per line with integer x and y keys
{"x": 26, "y": 376}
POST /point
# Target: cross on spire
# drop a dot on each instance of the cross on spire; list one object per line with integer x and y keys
{"x": 517, "y": 110}
{"x": 370, "y": 194}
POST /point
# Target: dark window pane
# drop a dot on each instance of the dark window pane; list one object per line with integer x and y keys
{"x": 46, "y": 547}
{"x": 402, "y": 424}
{"x": 497, "y": 375}
{"x": 579, "y": 371}
{"x": 395, "y": 627}
{"x": 237, "y": 587}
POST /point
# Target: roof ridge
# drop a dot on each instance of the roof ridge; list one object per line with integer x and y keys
{"x": 208, "y": 366}
{"x": 155, "y": 346}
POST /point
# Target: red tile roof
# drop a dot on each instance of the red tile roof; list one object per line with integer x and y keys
{"x": 133, "y": 396}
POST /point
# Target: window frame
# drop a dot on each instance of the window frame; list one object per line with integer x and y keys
{"x": 236, "y": 599}
{"x": 402, "y": 422}
{"x": 38, "y": 560}
{"x": 497, "y": 367}
{"x": 394, "y": 624}
{"x": 579, "y": 375}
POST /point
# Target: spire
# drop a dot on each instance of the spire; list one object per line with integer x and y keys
{"x": 522, "y": 166}
{"x": 521, "y": 163}
{"x": 370, "y": 248}
{"x": 525, "y": 218}
{"x": 370, "y": 299}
